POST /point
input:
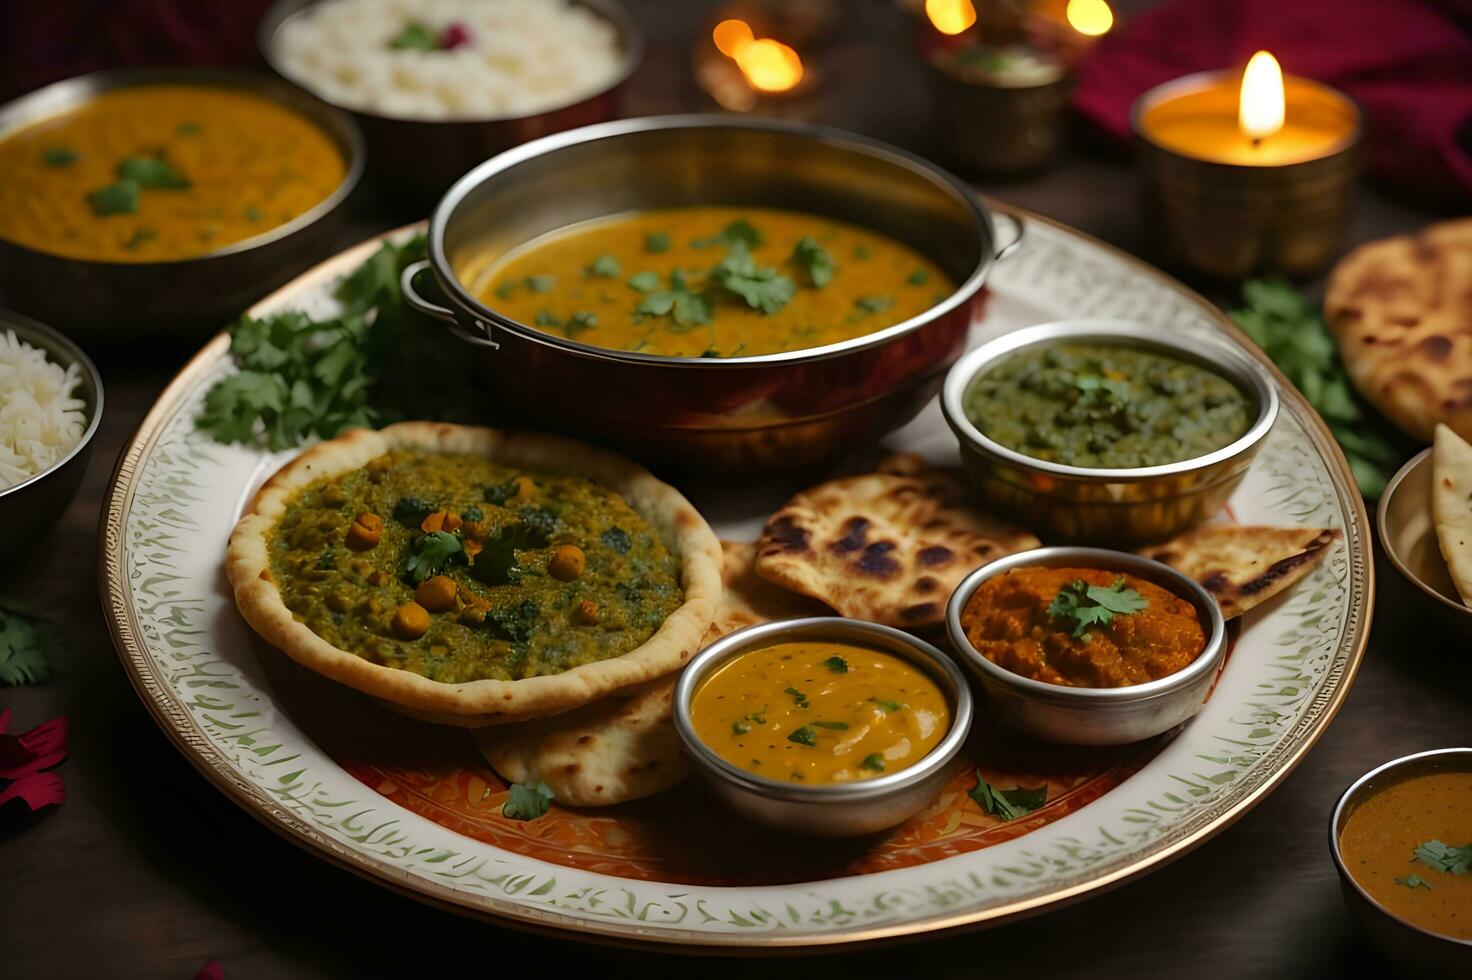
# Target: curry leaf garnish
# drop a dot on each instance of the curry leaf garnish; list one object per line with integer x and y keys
{"x": 837, "y": 665}
{"x": 888, "y": 707}
{"x": 1413, "y": 881}
{"x": 874, "y": 304}
{"x": 873, "y": 762}
{"x": 798, "y": 698}
{"x": 1009, "y": 804}
{"x": 762, "y": 287}
{"x": 432, "y": 554}
{"x": 22, "y": 650}
{"x": 1452, "y": 860}
{"x": 153, "y": 172}
{"x": 604, "y": 267}
{"x": 527, "y": 801}
{"x": 806, "y": 735}
{"x": 1079, "y": 605}
{"x": 60, "y": 156}
{"x": 833, "y": 726}
{"x": 645, "y": 282}
{"x": 117, "y": 198}
{"x": 656, "y": 242}
{"x": 416, "y": 36}
{"x": 813, "y": 259}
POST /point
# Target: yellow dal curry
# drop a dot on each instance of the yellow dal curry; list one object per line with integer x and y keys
{"x": 161, "y": 172}
{"x": 820, "y": 713}
{"x": 712, "y": 282}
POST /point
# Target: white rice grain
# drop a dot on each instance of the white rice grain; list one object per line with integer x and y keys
{"x": 41, "y": 420}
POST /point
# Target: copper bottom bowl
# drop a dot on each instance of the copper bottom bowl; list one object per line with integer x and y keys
{"x": 732, "y": 414}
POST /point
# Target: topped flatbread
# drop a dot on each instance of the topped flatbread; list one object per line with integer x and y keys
{"x": 1399, "y": 308}
{"x": 470, "y": 576}
{"x": 1244, "y": 565}
{"x": 888, "y": 546}
{"x": 1451, "y": 506}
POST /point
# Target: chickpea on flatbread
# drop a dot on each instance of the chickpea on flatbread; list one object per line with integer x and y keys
{"x": 888, "y": 546}
{"x": 1244, "y": 565}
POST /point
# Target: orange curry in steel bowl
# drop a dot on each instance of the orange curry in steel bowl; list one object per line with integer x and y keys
{"x": 1082, "y": 627}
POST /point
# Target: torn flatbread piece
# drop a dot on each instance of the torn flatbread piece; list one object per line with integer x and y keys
{"x": 1244, "y": 565}
{"x": 888, "y": 546}
{"x": 1451, "y": 506}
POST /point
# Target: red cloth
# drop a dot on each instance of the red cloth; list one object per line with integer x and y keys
{"x": 1408, "y": 63}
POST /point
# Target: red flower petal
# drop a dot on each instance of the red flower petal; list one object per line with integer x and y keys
{"x": 40, "y": 748}
{"x": 35, "y": 790}
{"x": 211, "y": 971}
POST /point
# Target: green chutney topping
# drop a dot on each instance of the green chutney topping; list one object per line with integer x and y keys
{"x": 459, "y": 569}
{"x": 1106, "y": 406}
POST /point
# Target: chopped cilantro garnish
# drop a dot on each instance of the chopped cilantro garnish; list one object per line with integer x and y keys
{"x": 1009, "y": 804}
{"x": 527, "y": 802}
{"x": 918, "y": 278}
{"x": 861, "y": 251}
{"x": 873, "y": 762}
{"x": 578, "y": 322}
{"x": 138, "y": 237}
{"x": 432, "y": 554}
{"x": 833, "y": 726}
{"x": 888, "y": 707}
{"x": 645, "y": 282}
{"x": 187, "y": 129}
{"x": 154, "y": 173}
{"x": 252, "y": 213}
{"x": 546, "y": 318}
{"x": 416, "y": 36}
{"x": 117, "y": 198}
{"x": 1413, "y": 881}
{"x": 813, "y": 259}
{"x": 1452, "y": 860}
{"x": 656, "y": 242}
{"x": 1080, "y": 605}
{"x": 604, "y": 267}
{"x": 540, "y": 284}
{"x": 762, "y": 287}
{"x": 60, "y": 156}
{"x": 798, "y": 698}
{"x": 806, "y": 735}
{"x": 742, "y": 725}
{"x": 738, "y": 233}
{"x": 837, "y": 665}
{"x": 874, "y": 304}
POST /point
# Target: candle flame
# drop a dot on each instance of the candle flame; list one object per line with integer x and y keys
{"x": 1261, "y": 105}
{"x": 950, "y": 16}
{"x": 768, "y": 65}
{"x": 1090, "y": 17}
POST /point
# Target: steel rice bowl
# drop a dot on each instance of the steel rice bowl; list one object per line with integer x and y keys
{"x": 731, "y": 414}
{"x": 1108, "y": 506}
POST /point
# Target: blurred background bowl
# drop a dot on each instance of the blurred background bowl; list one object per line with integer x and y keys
{"x": 418, "y": 159}
{"x": 30, "y": 508}
{"x": 1408, "y": 535}
{"x": 119, "y": 302}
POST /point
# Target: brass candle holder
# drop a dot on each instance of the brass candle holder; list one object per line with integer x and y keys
{"x": 999, "y": 122}
{"x": 1223, "y": 205}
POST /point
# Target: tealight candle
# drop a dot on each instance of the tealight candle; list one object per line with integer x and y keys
{"x": 1248, "y": 172}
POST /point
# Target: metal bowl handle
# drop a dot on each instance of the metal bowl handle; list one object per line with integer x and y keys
{"x": 1019, "y": 231}
{"x": 482, "y": 334}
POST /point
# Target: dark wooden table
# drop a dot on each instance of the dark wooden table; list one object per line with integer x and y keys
{"x": 147, "y": 871}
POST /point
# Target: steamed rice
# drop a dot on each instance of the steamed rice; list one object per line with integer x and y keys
{"x": 521, "y": 57}
{"x": 41, "y": 420}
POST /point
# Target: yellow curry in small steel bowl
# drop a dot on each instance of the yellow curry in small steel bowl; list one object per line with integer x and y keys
{"x": 826, "y": 726}
{"x": 137, "y": 200}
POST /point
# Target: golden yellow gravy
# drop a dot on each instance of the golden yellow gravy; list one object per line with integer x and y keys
{"x": 249, "y": 165}
{"x": 594, "y": 282}
{"x": 819, "y": 713}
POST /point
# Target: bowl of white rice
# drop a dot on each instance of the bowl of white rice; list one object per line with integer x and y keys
{"x": 439, "y": 86}
{"x": 50, "y": 406}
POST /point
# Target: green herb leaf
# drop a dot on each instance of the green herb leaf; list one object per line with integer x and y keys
{"x": 527, "y": 801}
{"x": 187, "y": 129}
{"x": 888, "y": 707}
{"x": 762, "y": 287}
{"x": 1009, "y": 804}
{"x": 23, "y": 644}
{"x": 545, "y": 318}
{"x": 918, "y": 278}
{"x": 1413, "y": 881}
{"x": 1452, "y": 860}
{"x": 861, "y": 251}
{"x": 251, "y": 213}
{"x": 578, "y": 322}
{"x": 154, "y": 173}
{"x": 837, "y": 665}
{"x": 117, "y": 198}
{"x": 687, "y": 309}
{"x": 833, "y": 726}
{"x": 1079, "y": 605}
{"x": 806, "y": 735}
{"x": 873, "y": 762}
{"x": 645, "y": 282}
{"x": 656, "y": 242}
{"x": 540, "y": 284}
{"x": 874, "y": 304}
{"x": 60, "y": 156}
{"x": 742, "y": 725}
{"x": 813, "y": 259}
{"x": 416, "y": 36}
{"x": 798, "y": 698}
{"x": 604, "y": 267}
{"x": 141, "y": 235}
{"x": 432, "y": 554}
{"x": 739, "y": 233}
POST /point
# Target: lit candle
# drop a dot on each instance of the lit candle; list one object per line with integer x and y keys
{"x": 745, "y": 73}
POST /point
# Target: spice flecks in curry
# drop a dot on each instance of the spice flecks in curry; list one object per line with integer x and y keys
{"x": 458, "y": 568}
{"x": 820, "y": 713}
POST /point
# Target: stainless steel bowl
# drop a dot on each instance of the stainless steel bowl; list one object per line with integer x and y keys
{"x": 738, "y": 413}
{"x": 30, "y": 508}
{"x": 1083, "y": 504}
{"x": 119, "y": 302}
{"x": 419, "y": 158}
{"x": 846, "y": 809}
{"x": 1094, "y": 715}
{"x": 1408, "y": 535}
{"x": 1405, "y": 945}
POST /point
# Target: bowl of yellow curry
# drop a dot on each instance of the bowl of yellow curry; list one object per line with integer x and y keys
{"x": 143, "y": 201}
{"x": 825, "y": 726}
{"x": 1401, "y": 837}
{"x": 1087, "y": 646}
{"x": 677, "y": 287}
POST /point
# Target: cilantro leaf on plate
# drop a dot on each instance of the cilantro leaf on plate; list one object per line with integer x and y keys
{"x": 527, "y": 802}
{"x": 1008, "y": 804}
{"x": 22, "y": 650}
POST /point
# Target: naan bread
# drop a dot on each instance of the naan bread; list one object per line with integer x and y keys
{"x": 1451, "y": 506}
{"x": 750, "y": 599}
{"x": 888, "y": 546}
{"x": 1244, "y": 565}
{"x": 1400, "y": 308}
{"x": 617, "y": 749}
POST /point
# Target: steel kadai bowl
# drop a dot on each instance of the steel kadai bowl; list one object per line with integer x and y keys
{"x": 852, "y": 809}
{"x": 117, "y": 302}
{"x": 733, "y": 414}
{"x": 1093, "y": 715}
{"x": 1108, "y": 506}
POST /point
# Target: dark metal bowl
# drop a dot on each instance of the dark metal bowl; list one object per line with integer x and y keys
{"x": 1427, "y": 954}
{"x": 118, "y": 302}
{"x": 738, "y": 413}
{"x": 31, "y": 507}
{"x": 419, "y": 158}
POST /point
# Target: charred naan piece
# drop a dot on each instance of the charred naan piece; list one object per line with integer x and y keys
{"x": 1244, "y": 565}
{"x": 750, "y": 599}
{"x": 620, "y": 748}
{"x": 888, "y": 546}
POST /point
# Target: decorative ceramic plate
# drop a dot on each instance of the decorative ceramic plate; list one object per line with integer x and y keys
{"x": 413, "y": 807}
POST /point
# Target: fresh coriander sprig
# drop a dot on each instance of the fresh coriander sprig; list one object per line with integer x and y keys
{"x": 1452, "y": 860}
{"x": 1079, "y": 605}
{"x": 1009, "y": 804}
{"x": 527, "y": 801}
